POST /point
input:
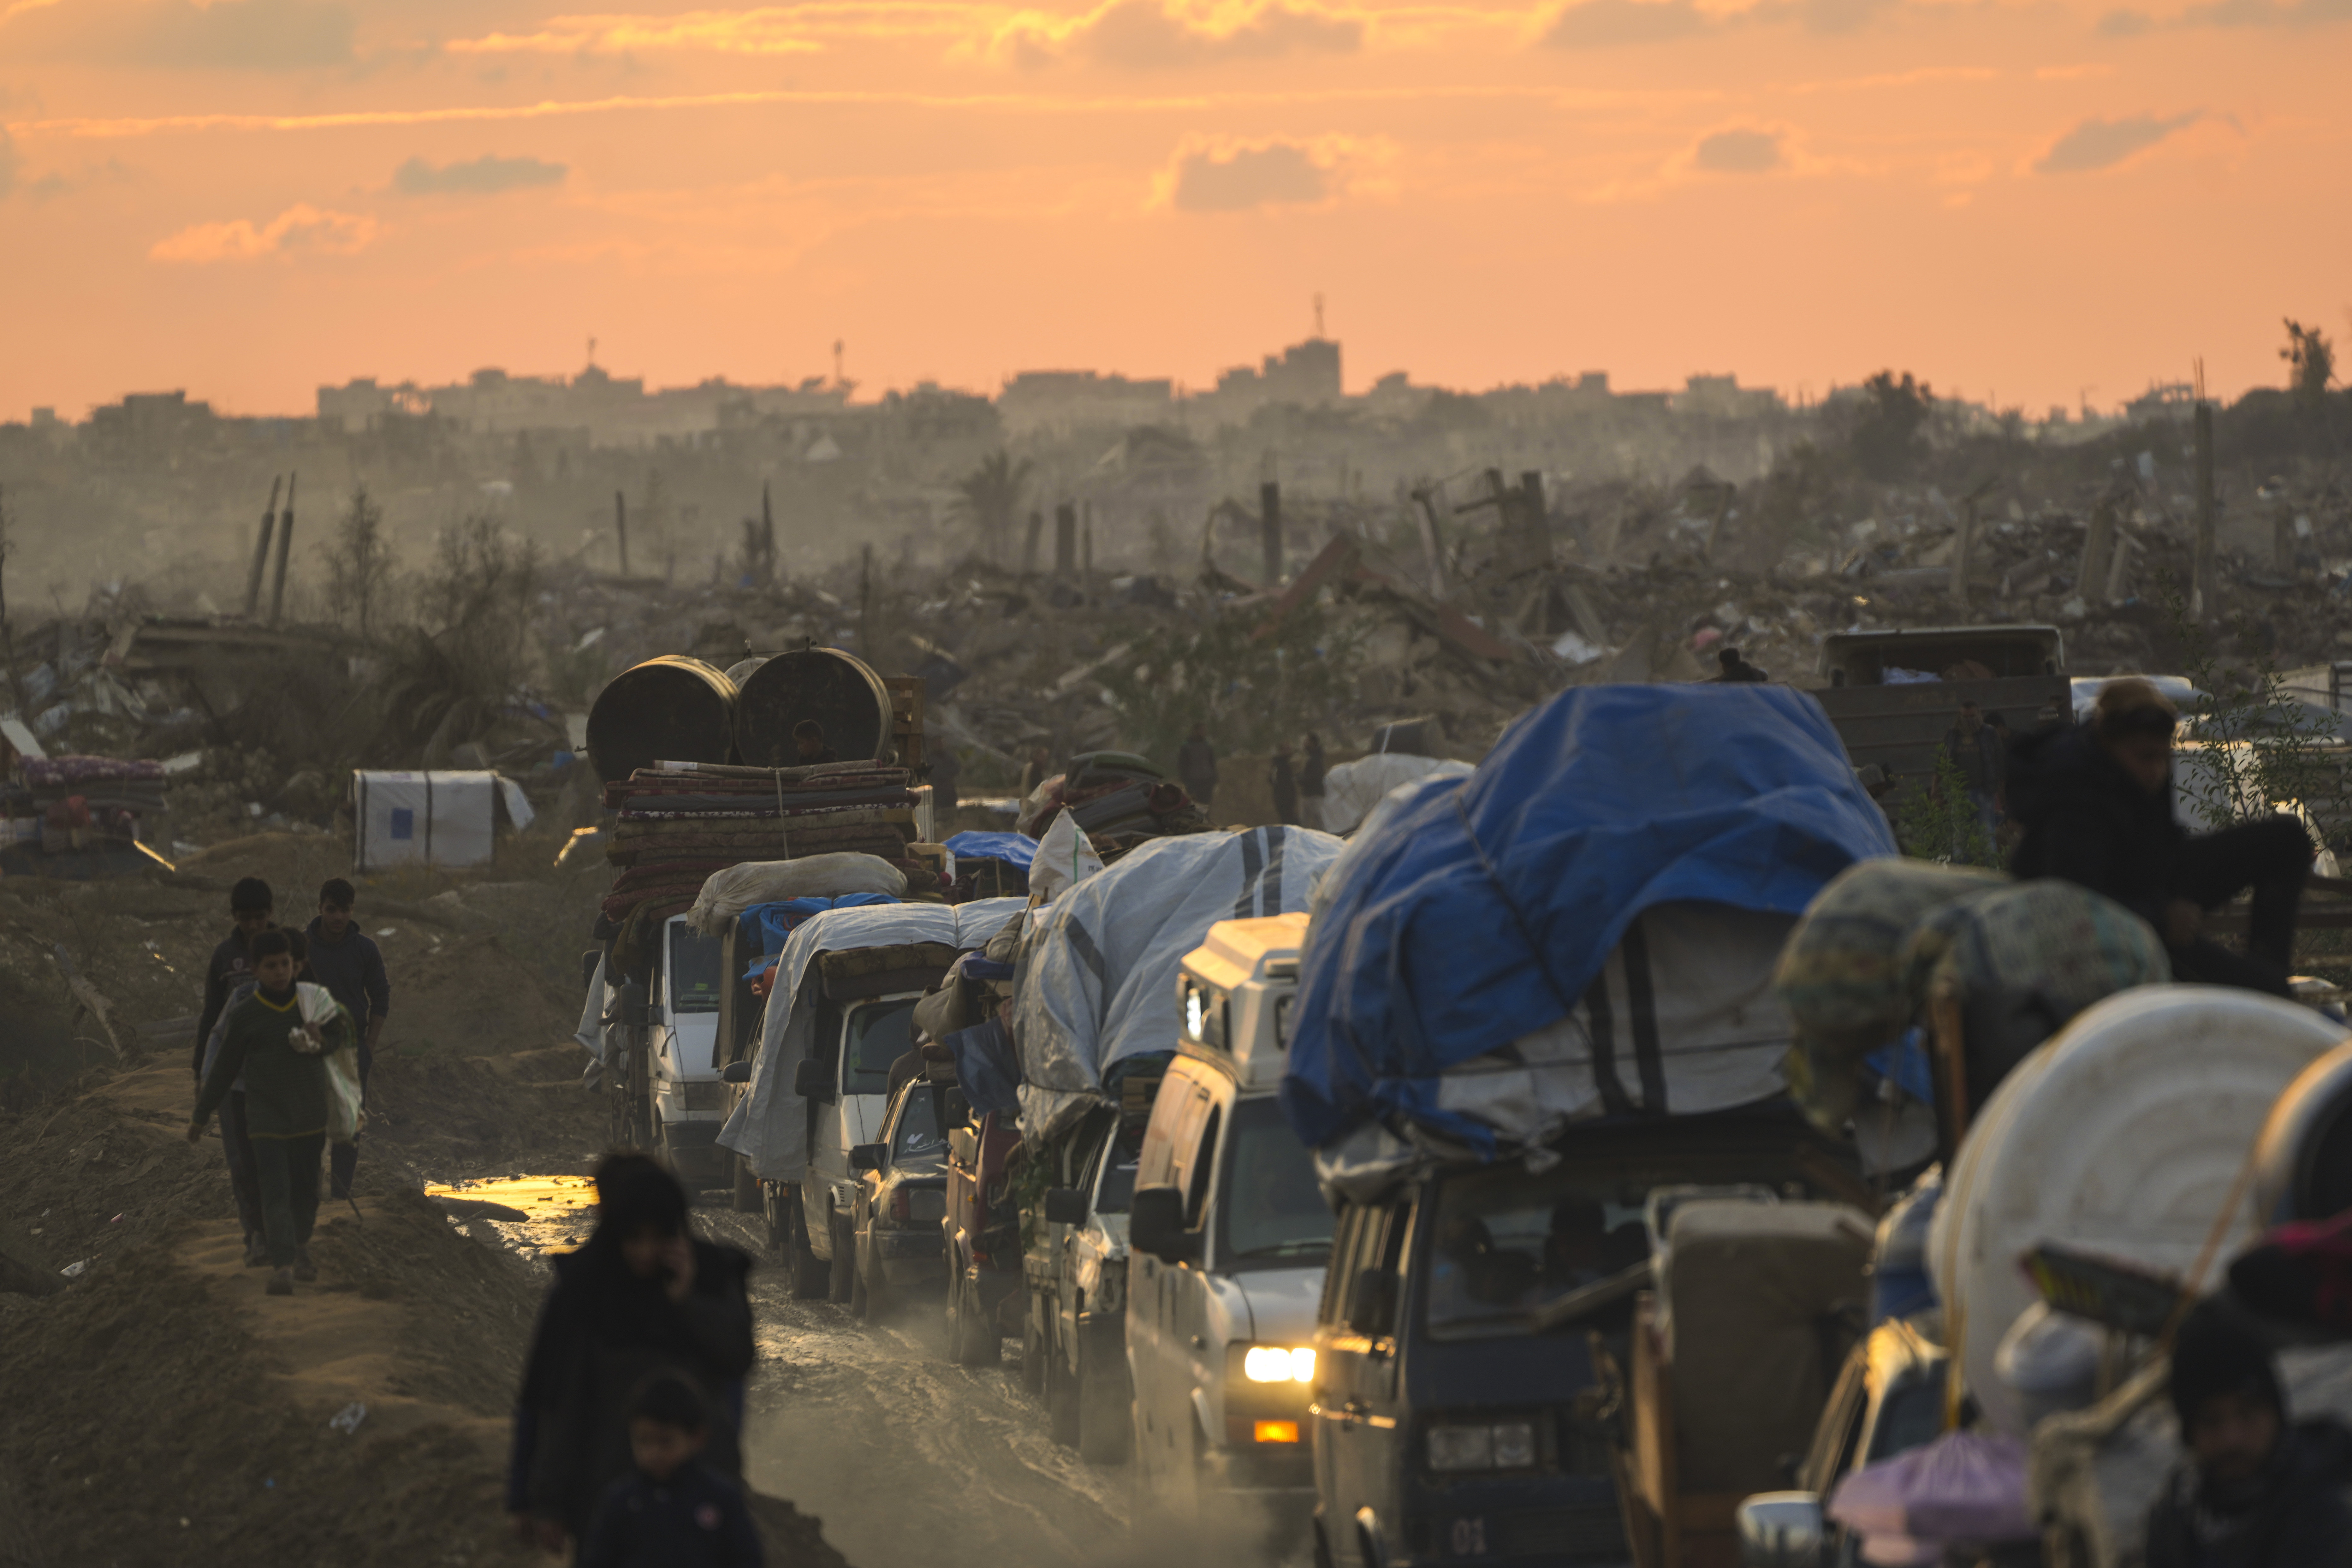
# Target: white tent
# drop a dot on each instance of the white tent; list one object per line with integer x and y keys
{"x": 446, "y": 819}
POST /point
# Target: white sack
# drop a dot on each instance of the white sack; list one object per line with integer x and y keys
{"x": 1350, "y": 790}
{"x": 1096, "y": 980}
{"x": 727, "y": 894}
{"x": 1065, "y": 856}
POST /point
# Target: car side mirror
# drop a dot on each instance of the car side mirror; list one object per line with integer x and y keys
{"x": 1371, "y": 1301}
{"x": 1782, "y": 1530}
{"x": 736, "y": 1072}
{"x": 1155, "y": 1225}
{"x": 1065, "y": 1205}
{"x": 813, "y": 1079}
{"x": 868, "y": 1156}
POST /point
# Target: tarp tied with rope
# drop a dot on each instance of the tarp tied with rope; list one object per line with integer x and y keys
{"x": 1470, "y": 912}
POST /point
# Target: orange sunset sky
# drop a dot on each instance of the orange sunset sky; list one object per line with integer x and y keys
{"x": 2017, "y": 199}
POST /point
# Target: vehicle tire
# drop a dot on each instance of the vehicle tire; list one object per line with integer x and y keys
{"x": 810, "y": 1276}
{"x": 747, "y": 1186}
{"x": 1106, "y": 1408}
{"x": 1322, "y": 1546}
{"x": 1061, "y": 1400}
{"x": 861, "y": 1300}
{"x": 844, "y": 1279}
{"x": 1034, "y": 1375}
{"x": 971, "y": 1339}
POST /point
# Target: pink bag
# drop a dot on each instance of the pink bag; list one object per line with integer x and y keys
{"x": 1961, "y": 1486}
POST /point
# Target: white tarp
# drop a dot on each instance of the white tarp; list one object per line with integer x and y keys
{"x": 1096, "y": 975}
{"x": 1350, "y": 790}
{"x": 769, "y": 1126}
{"x": 424, "y": 819}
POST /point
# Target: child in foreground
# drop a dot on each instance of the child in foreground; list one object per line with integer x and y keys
{"x": 671, "y": 1510}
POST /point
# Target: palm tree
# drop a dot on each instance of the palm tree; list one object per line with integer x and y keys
{"x": 989, "y": 498}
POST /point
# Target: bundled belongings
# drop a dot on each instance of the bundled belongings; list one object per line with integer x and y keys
{"x": 991, "y": 865}
{"x": 843, "y": 952}
{"x": 1562, "y": 910}
{"x": 1096, "y": 975}
{"x": 76, "y": 802}
{"x": 742, "y": 813}
{"x": 1350, "y": 790}
{"x": 1119, "y": 799}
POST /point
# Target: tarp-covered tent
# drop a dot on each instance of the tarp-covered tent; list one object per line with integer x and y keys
{"x": 769, "y": 1126}
{"x": 1096, "y": 982}
{"x": 430, "y": 818}
{"x": 1474, "y": 912}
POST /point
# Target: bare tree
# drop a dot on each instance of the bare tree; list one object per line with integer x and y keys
{"x": 358, "y": 564}
{"x": 476, "y": 603}
{"x": 2311, "y": 362}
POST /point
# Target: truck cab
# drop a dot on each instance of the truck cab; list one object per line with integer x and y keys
{"x": 667, "y": 1096}
{"x": 845, "y": 1082}
{"x": 1461, "y": 1415}
{"x": 1229, "y": 1233}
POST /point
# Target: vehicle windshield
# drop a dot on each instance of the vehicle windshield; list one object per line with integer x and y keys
{"x": 879, "y": 1035}
{"x": 917, "y": 1139}
{"x": 1505, "y": 1242}
{"x": 693, "y": 978}
{"x": 1271, "y": 1213}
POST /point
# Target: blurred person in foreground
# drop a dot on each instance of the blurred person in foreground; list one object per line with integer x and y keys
{"x": 347, "y": 961}
{"x": 645, "y": 1295}
{"x": 269, "y": 1045}
{"x": 252, "y": 909}
{"x": 670, "y": 1510}
{"x": 2095, "y": 803}
{"x": 2251, "y": 1490}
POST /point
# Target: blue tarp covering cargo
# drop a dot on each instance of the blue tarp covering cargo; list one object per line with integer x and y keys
{"x": 1014, "y": 849}
{"x": 1473, "y": 913}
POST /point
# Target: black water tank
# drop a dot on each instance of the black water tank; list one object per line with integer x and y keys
{"x": 834, "y": 688}
{"x": 671, "y": 709}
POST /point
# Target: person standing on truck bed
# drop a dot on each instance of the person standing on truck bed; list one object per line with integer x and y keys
{"x": 2251, "y": 1491}
{"x": 1196, "y": 766}
{"x": 1737, "y": 670}
{"x": 251, "y": 908}
{"x": 2096, "y": 806}
{"x": 276, "y": 1052}
{"x": 348, "y": 963}
{"x": 644, "y": 1295}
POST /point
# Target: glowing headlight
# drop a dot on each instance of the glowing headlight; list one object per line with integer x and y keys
{"x": 1273, "y": 1363}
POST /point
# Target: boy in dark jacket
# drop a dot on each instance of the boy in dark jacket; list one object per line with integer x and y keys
{"x": 267, "y": 1044}
{"x": 643, "y": 1295}
{"x": 251, "y": 911}
{"x": 2254, "y": 1491}
{"x": 670, "y": 1510}
{"x": 347, "y": 961}
{"x": 2096, "y": 806}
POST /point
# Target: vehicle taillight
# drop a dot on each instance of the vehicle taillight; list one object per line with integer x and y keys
{"x": 902, "y": 1205}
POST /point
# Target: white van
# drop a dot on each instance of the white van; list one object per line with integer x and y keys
{"x": 846, "y": 1080}
{"x": 667, "y": 1096}
{"x": 1228, "y": 1235}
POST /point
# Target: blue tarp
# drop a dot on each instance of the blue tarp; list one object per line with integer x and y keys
{"x": 1482, "y": 908}
{"x": 1015, "y": 849}
{"x": 988, "y": 1067}
{"x": 766, "y": 926}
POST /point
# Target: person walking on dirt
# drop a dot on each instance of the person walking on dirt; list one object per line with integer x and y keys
{"x": 670, "y": 1510}
{"x": 2096, "y": 806}
{"x": 252, "y": 909}
{"x": 1196, "y": 766}
{"x": 644, "y": 1295}
{"x": 347, "y": 961}
{"x": 276, "y": 1052}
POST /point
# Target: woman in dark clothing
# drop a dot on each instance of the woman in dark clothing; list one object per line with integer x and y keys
{"x": 2096, "y": 806}
{"x": 643, "y": 1295}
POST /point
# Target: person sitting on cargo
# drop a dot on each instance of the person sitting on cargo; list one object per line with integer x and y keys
{"x": 2251, "y": 1491}
{"x": 808, "y": 744}
{"x": 2096, "y": 806}
{"x": 1737, "y": 670}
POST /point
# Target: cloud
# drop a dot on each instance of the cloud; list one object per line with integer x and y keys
{"x": 1150, "y": 35}
{"x": 301, "y": 230}
{"x": 1221, "y": 174}
{"x": 1612, "y": 24}
{"x": 1740, "y": 152}
{"x": 181, "y": 35}
{"x": 486, "y": 176}
{"x": 2126, "y": 24}
{"x": 2103, "y": 143}
{"x": 2230, "y": 14}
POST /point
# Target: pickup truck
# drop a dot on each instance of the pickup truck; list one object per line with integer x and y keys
{"x": 1891, "y": 695}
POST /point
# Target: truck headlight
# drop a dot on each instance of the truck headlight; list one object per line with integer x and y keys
{"x": 1275, "y": 1364}
{"x": 1505, "y": 1446}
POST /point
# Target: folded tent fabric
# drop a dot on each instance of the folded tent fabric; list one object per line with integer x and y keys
{"x": 1483, "y": 906}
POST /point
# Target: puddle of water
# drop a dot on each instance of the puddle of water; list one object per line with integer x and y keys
{"x": 542, "y": 1214}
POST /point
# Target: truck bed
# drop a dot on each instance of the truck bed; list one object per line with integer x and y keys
{"x": 1899, "y": 727}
